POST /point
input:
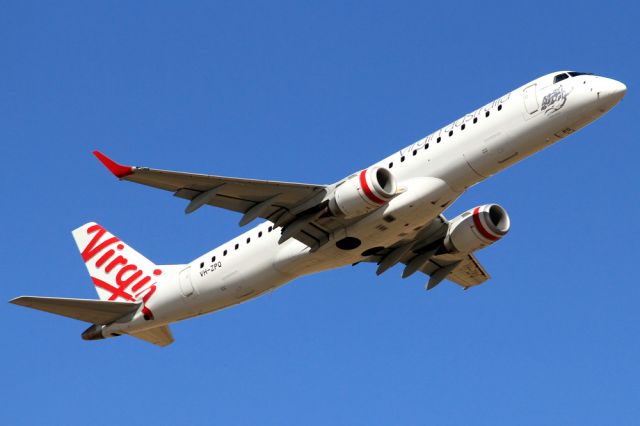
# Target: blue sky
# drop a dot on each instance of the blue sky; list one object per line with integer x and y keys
{"x": 310, "y": 92}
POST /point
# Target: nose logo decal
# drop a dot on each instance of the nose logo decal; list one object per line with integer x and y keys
{"x": 554, "y": 101}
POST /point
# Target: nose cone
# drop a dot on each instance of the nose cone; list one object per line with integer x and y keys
{"x": 617, "y": 89}
{"x": 611, "y": 92}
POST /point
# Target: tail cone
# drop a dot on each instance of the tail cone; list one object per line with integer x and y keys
{"x": 93, "y": 333}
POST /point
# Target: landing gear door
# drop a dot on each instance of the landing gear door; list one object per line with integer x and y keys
{"x": 186, "y": 287}
{"x": 530, "y": 97}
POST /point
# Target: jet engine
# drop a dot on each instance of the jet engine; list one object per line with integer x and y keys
{"x": 363, "y": 192}
{"x": 477, "y": 228}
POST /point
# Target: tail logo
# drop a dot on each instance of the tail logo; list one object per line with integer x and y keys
{"x": 131, "y": 282}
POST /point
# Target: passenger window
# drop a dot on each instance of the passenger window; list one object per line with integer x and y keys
{"x": 237, "y": 245}
{"x": 391, "y": 164}
{"x": 260, "y": 234}
{"x": 463, "y": 126}
{"x": 486, "y": 114}
{"x": 475, "y": 120}
{"x": 415, "y": 151}
{"x": 224, "y": 253}
{"x": 426, "y": 146}
{"x": 213, "y": 259}
{"x": 450, "y": 133}
{"x": 559, "y": 78}
{"x": 439, "y": 139}
{"x": 248, "y": 240}
{"x": 270, "y": 229}
{"x": 499, "y": 107}
{"x": 202, "y": 265}
{"x": 402, "y": 159}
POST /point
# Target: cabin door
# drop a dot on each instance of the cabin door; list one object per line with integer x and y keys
{"x": 530, "y": 97}
{"x": 186, "y": 287}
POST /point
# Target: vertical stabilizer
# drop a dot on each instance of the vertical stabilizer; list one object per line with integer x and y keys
{"x": 118, "y": 272}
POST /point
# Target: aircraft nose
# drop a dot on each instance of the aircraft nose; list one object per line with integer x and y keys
{"x": 617, "y": 89}
{"x": 612, "y": 91}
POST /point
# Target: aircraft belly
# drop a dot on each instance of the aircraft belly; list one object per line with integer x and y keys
{"x": 255, "y": 276}
{"x": 423, "y": 200}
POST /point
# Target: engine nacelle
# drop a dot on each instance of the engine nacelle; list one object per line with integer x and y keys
{"x": 477, "y": 228}
{"x": 363, "y": 192}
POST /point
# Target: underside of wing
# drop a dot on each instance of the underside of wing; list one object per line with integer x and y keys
{"x": 468, "y": 273}
{"x": 229, "y": 193}
{"x": 423, "y": 253}
{"x": 280, "y": 202}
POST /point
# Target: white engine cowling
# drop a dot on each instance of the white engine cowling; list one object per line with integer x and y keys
{"x": 477, "y": 228}
{"x": 363, "y": 192}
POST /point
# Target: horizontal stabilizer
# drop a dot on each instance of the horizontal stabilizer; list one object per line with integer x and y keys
{"x": 92, "y": 311}
{"x": 160, "y": 336}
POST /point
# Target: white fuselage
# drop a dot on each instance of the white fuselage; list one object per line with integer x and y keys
{"x": 432, "y": 173}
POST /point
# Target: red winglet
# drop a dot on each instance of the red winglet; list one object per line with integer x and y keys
{"x": 117, "y": 169}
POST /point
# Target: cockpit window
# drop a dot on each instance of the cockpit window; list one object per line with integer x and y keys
{"x": 560, "y": 77}
{"x": 577, "y": 73}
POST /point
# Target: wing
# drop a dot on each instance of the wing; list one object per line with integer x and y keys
{"x": 280, "y": 202}
{"x": 421, "y": 254}
{"x": 468, "y": 273}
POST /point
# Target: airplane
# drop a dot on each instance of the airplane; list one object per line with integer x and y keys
{"x": 389, "y": 213}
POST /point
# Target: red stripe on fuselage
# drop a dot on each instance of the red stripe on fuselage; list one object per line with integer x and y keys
{"x": 367, "y": 191}
{"x": 480, "y": 227}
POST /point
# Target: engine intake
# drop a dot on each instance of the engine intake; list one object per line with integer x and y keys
{"x": 477, "y": 228}
{"x": 363, "y": 192}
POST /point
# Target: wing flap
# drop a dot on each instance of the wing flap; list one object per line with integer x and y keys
{"x": 469, "y": 272}
{"x": 242, "y": 188}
